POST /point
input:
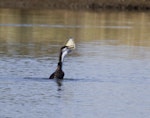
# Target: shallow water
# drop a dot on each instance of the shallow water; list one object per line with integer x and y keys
{"x": 108, "y": 75}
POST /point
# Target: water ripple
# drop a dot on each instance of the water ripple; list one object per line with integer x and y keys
{"x": 65, "y": 26}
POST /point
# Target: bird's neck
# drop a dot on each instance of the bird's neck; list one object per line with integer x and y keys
{"x": 60, "y": 58}
{"x": 59, "y": 66}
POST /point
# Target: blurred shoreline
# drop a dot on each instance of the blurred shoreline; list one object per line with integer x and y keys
{"x": 78, "y": 4}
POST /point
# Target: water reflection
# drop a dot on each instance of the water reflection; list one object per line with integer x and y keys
{"x": 40, "y": 33}
{"x": 129, "y": 28}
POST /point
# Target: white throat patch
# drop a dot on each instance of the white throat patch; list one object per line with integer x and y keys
{"x": 64, "y": 53}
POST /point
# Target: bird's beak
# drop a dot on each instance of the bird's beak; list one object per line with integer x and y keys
{"x": 71, "y": 44}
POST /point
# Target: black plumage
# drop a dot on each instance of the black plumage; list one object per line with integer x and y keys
{"x": 58, "y": 74}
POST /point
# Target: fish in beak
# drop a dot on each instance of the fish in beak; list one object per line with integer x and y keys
{"x": 71, "y": 44}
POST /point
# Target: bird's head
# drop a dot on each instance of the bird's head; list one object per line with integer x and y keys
{"x": 70, "y": 45}
{"x": 63, "y": 52}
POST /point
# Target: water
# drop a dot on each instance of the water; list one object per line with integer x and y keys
{"x": 108, "y": 75}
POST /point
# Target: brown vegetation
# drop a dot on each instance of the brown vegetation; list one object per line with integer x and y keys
{"x": 77, "y": 4}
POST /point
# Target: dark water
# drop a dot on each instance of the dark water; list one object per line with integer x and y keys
{"x": 108, "y": 75}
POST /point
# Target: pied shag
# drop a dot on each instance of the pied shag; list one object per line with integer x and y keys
{"x": 59, "y": 74}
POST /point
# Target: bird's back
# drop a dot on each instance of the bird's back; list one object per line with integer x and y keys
{"x": 58, "y": 74}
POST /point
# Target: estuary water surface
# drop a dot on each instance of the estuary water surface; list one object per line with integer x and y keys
{"x": 107, "y": 76}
